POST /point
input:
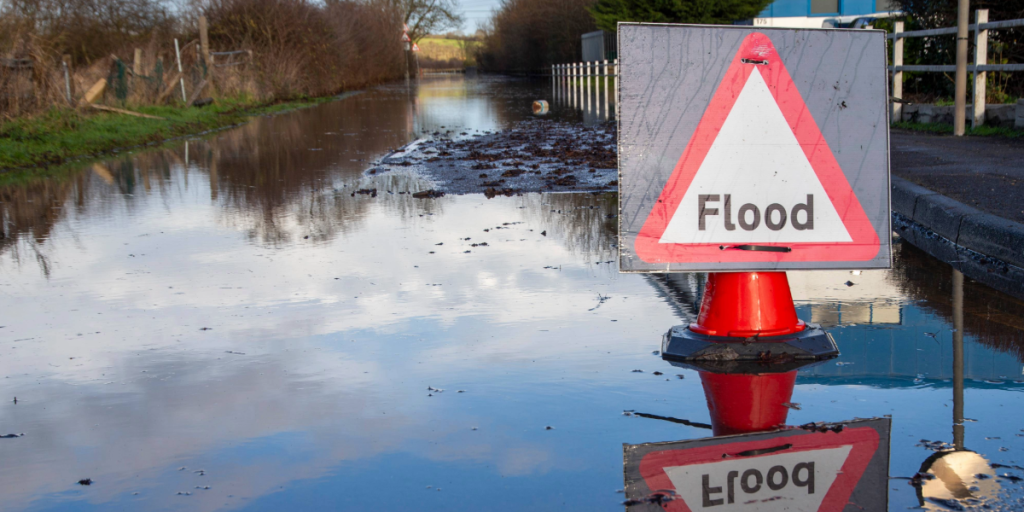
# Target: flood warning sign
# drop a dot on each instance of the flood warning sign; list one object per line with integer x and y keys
{"x": 759, "y": 183}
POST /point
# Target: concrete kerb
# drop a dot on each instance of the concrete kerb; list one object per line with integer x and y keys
{"x": 983, "y": 246}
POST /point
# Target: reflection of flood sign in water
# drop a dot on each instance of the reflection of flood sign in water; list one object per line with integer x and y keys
{"x": 747, "y": 149}
{"x": 788, "y": 470}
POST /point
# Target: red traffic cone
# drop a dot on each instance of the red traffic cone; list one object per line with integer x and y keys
{"x": 743, "y": 403}
{"x": 747, "y": 304}
{"x": 744, "y": 305}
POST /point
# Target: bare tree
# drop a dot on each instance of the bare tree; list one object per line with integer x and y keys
{"x": 426, "y": 17}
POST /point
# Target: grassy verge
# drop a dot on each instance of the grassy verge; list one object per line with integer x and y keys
{"x": 984, "y": 131}
{"x": 61, "y": 134}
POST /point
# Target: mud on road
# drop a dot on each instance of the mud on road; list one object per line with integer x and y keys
{"x": 534, "y": 155}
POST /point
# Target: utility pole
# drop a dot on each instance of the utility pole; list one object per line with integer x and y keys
{"x": 960, "y": 101}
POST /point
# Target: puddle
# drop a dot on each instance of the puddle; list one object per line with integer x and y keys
{"x": 237, "y": 328}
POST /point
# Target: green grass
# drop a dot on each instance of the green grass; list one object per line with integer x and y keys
{"x": 61, "y": 134}
{"x": 982, "y": 131}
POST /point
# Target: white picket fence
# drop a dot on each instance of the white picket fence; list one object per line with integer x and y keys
{"x": 579, "y": 85}
{"x": 979, "y": 68}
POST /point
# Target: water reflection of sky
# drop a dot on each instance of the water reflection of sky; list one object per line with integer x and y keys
{"x": 309, "y": 388}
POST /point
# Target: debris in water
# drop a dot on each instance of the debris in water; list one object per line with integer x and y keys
{"x": 601, "y": 299}
{"x": 919, "y": 478}
{"x": 660, "y": 497}
{"x": 673, "y": 420}
{"x": 791, "y": 405}
{"x": 657, "y": 373}
{"x": 638, "y": 371}
{"x": 428, "y": 194}
{"x": 11, "y": 436}
{"x": 549, "y": 427}
{"x": 85, "y": 481}
{"x": 937, "y": 446}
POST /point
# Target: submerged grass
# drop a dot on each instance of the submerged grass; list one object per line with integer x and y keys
{"x": 983, "y": 131}
{"x": 61, "y": 134}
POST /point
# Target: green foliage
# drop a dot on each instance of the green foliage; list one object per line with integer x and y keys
{"x": 60, "y": 134}
{"x": 607, "y": 13}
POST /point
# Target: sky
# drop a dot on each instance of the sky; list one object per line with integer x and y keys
{"x": 477, "y": 12}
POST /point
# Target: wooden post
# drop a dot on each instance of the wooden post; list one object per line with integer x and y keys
{"x": 181, "y": 74}
{"x": 980, "y": 59}
{"x": 615, "y": 80}
{"x": 136, "y": 82}
{"x": 897, "y": 75}
{"x": 204, "y": 43}
{"x": 588, "y": 90}
{"x": 963, "y": 17}
{"x": 69, "y": 84}
{"x": 607, "y": 105}
{"x": 137, "y": 68}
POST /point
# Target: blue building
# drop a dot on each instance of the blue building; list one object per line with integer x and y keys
{"x": 823, "y": 13}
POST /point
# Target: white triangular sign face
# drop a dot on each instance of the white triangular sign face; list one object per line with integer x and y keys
{"x": 792, "y": 482}
{"x": 756, "y": 185}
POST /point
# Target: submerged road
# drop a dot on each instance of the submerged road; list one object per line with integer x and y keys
{"x": 252, "y": 320}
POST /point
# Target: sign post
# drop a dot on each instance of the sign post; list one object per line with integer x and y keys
{"x": 746, "y": 153}
{"x": 752, "y": 151}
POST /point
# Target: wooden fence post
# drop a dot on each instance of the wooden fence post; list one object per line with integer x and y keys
{"x": 69, "y": 84}
{"x": 607, "y": 103}
{"x": 204, "y": 43}
{"x": 980, "y": 59}
{"x": 897, "y": 76}
{"x": 615, "y": 80}
{"x": 137, "y": 68}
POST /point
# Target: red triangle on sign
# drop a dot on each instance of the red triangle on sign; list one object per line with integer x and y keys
{"x": 756, "y": 127}
{"x": 815, "y": 471}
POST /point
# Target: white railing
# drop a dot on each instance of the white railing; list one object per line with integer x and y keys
{"x": 979, "y": 68}
{"x": 579, "y": 85}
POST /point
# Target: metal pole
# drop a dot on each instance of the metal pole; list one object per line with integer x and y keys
{"x": 960, "y": 101}
{"x": 897, "y": 76}
{"x": 181, "y": 79}
{"x": 958, "y": 360}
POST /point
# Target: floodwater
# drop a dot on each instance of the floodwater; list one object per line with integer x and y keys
{"x": 226, "y": 324}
